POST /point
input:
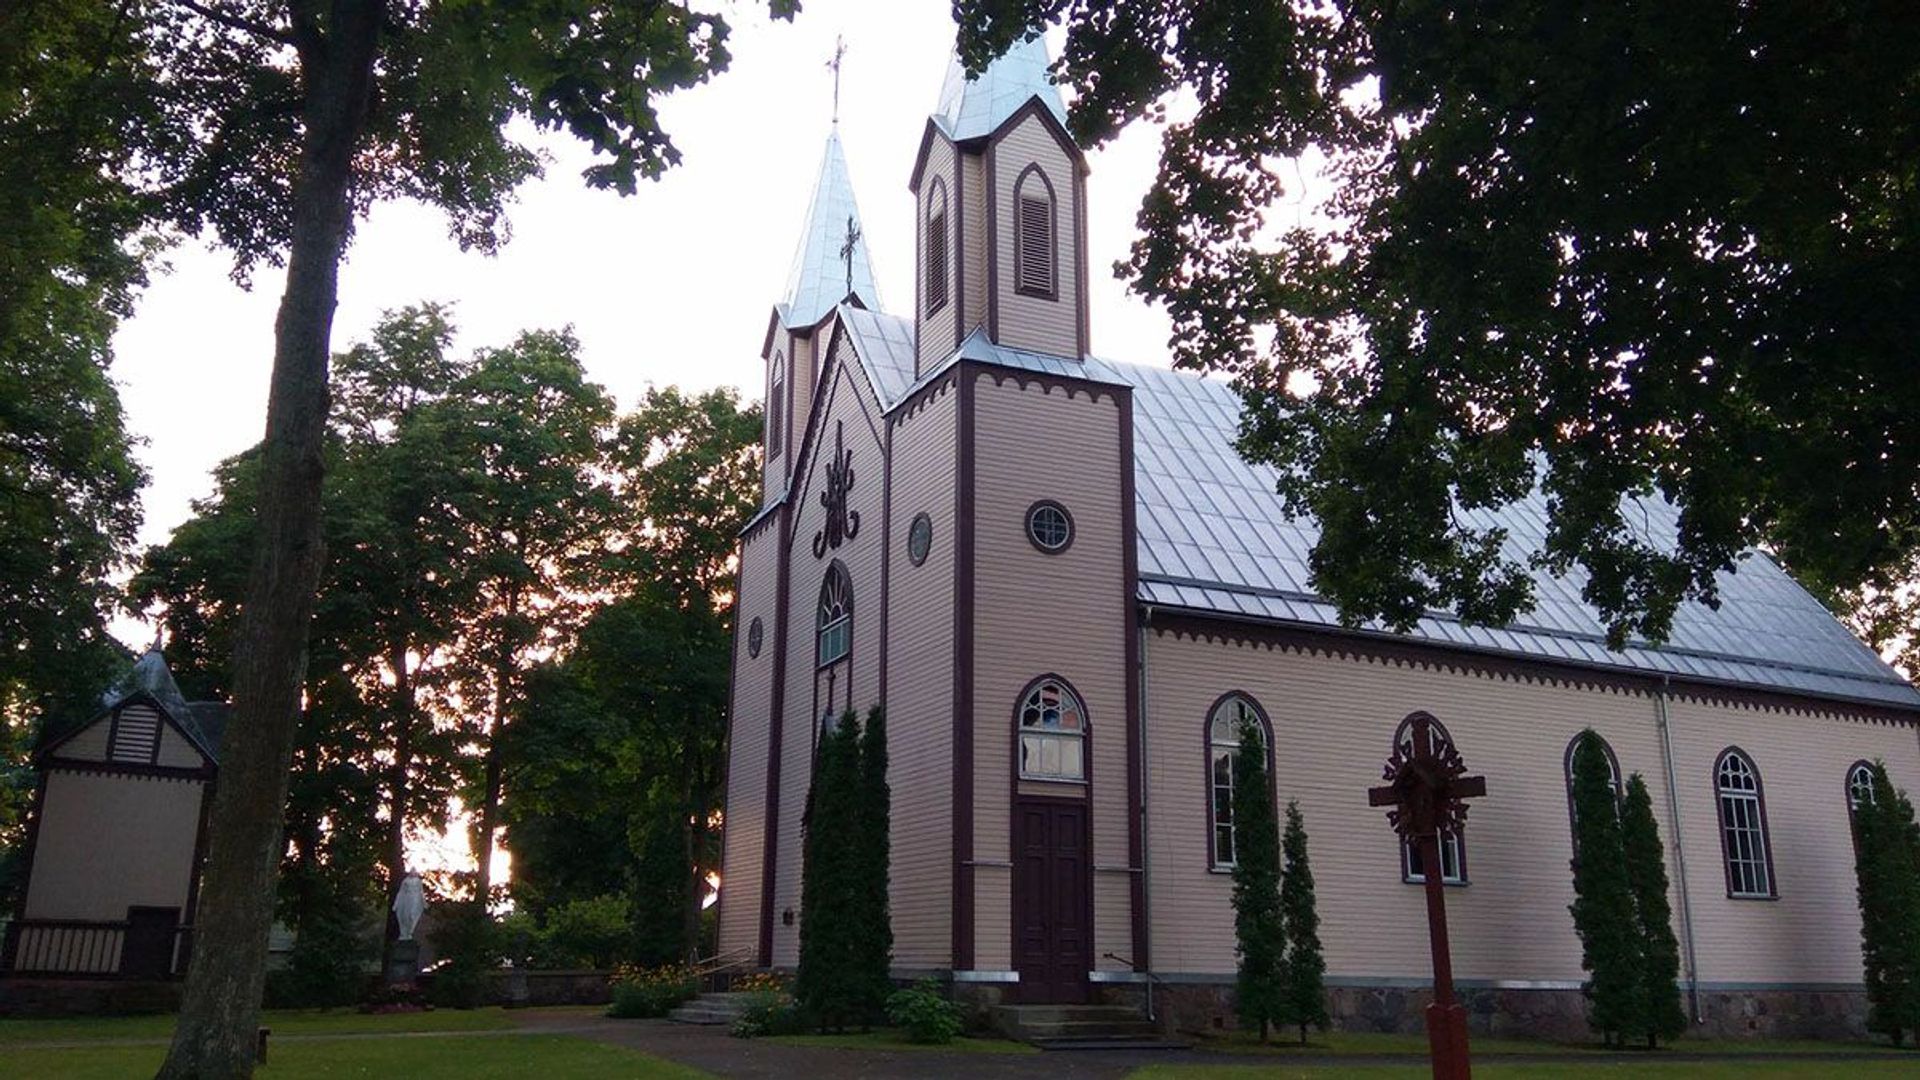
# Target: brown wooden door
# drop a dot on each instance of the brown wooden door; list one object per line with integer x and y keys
{"x": 1053, "y": 933}
{"x": 147, "y": 952}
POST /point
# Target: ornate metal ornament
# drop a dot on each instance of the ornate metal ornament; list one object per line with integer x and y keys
{"x": 842, "y": 524}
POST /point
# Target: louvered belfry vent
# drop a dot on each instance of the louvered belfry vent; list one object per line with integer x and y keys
{"x": 136, "y": 735}
{"x": 1036, "y": 244}
{"x": 936, "y": 262}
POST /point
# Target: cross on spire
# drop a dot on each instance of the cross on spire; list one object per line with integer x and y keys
{"x": 848, "y": 248}
{"x": 839, "y": 51}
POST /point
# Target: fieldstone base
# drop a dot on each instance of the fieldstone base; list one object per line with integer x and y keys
{"x": 30, "y": 996}
{"x": 1540, "y": 1014}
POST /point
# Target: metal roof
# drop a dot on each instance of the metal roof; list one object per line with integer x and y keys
{"x": 971, "y": 108}
{"x": 1214, "y": 537}
{"x": 819, "y": 277}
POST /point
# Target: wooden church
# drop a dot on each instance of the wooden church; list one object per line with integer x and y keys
{"x": 1067, "y": 589}
{"x": 117, "y": 835}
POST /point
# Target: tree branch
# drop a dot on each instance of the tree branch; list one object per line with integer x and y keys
{"x": 237, "y": 22}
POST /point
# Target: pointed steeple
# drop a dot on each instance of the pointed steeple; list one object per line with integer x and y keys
{"x": 971, "y": 108}
{"x": 831, "y": 262}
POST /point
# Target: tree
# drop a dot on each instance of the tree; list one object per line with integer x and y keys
{"x": 1259, "y": 921}
{"x": 831, "y": 986}
{"x": 1887, "y": 868}
{"x": 1304, "y": 991}
{"x": 1646, "y": 859}
{"x": 1634, "y": 254}
{"x": 276, "y": 123}
{"x": 876, "y": 846}
{"x": 1603, "y": 906}
{"x": 73, "y": 256}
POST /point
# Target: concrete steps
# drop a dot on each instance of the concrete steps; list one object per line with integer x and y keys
{"x": 1082, "y": 1027}
{"x": 714, "y": 1008}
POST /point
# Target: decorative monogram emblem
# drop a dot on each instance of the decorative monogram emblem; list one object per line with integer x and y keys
{"x": 842, "y": 524}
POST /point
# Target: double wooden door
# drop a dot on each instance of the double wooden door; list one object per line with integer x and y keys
{"x": 1052, "y": 912}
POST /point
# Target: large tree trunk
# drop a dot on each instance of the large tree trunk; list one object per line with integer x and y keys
{"x": 504, "y": 669}
{"x": 220, "y": 1009}
{"x": 398, "y": 778}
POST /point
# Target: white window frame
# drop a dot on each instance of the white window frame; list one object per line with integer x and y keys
{"x": 1042, "y": 731}
{"x": 1223, "y": 750}
{"x": 1453, "y": 851}
{"x": 1742, "y": 816}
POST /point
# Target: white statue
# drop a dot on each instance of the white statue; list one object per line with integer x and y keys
{"x": 408, "y": 905}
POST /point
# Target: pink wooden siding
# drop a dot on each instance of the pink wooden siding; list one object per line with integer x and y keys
{"x": 1037, "y": 613}
{"x": 1030, "y": 322}
{"x": 849, "y": 402}
{"x": 936, "y": 331}
{"x": 1333, "y": 718}
{"x": 110, "y": 841}
{"x": 740, "y": 873}
{"x": 973, "y": 240}
{"x": 920, "y": 687}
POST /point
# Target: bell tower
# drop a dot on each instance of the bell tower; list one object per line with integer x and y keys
{"x": 999, "y": 189}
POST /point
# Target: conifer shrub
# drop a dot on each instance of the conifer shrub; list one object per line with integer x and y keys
{"x": 1660, "y": 1013}
{"x": 876, "y": 940}
{"x": 1303, "y": 994}
{"x": 1887, "y": 871}
{"x": 1603, "y": 911}
{"x": 1259, "y": 927}
{"x": 833, "y": 987}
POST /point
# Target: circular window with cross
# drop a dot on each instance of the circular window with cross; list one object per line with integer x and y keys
{"x": 1049, "y": 526}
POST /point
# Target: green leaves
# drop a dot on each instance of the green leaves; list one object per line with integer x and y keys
{"x": 1645, "y": 254}
{"x": 1259, "y": 920}
{"x": 1887, "y": 866}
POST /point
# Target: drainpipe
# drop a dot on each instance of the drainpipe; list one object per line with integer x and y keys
{"x": 1679, "y": 853}
{"x": 1146, "y": 836}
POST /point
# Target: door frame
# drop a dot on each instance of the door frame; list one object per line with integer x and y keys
{"x": 1024, "y": 992}
{"x": 167, "y": 950}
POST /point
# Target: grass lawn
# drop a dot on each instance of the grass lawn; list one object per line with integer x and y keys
{"x": 282, "y": 1021}
{"x": 550, "y": 1057}
{"x": 1368, "y": 1044}
{"x": 1583, "y": 1070}
{"x": 887, "y": 1039}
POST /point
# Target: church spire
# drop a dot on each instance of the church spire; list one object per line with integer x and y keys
{"x": 971, "y": 108}
{"x": 831, "y": 262}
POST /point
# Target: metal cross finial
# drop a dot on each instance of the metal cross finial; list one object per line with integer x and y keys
{"x": 839, "y": 50}
{"x": 847, "y": 250}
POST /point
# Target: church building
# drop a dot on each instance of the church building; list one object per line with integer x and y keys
{"x": 1067, "y": 590}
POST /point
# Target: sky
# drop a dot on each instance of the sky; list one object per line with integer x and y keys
{"x": 671, "y": 286}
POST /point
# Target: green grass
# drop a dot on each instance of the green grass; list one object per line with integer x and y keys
{"x": 1371, "y": 1044}
{"x": 282, "y": 1021}
{"x": 1581, "y": 1070}
{"x": 550, "y": 1057}
{"x": 885, "y": 1039}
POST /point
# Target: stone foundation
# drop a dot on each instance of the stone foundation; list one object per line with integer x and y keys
{"x": 1199, "y": 1008}
{"x": 24, "y": 996}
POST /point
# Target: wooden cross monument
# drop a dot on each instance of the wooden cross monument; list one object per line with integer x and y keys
{"x": 1425, "y": 789}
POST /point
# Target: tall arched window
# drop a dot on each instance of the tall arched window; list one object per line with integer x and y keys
{"x": 1613, "y": 773}
{"x": 1224, "y": 747}
{"x": 834, "y": 620}
{"x": 777, "y": 407}
{"x": 1743, "y": 826}
{"x": 1036, "y": 270}
{"x": 1453, "y": 848}
{"x": 1052, "y": 725}
{"x": 936, "y": 249}
{"x": 1859, "y": 786}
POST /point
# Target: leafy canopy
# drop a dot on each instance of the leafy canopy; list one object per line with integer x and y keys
{"x": 1617, "y": 253}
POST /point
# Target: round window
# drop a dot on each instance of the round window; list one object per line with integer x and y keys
{"x": 919, "y": 538}
{"x": 756, "y": 636}
{"x": 1049, "y": 526}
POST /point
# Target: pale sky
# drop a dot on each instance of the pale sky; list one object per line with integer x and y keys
{"x": 670, "y": 286}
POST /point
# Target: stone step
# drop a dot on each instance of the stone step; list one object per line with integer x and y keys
{"x": 1088, "y": 1028}
{"x": 691, "y": 1014}
{"x": 1044, "y": 1013}
{"x": 1126, "y": 1042}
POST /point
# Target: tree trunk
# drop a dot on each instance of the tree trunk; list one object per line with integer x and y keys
{"x": 220, "y": 1007}
{"x": 397, "y": 781}
{"x": 503, "y": 669}
{"x": 692, "y": 828}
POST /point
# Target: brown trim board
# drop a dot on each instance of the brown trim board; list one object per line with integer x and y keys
{"x": 1136, "y": 767}
{"x": 963, "y": 589}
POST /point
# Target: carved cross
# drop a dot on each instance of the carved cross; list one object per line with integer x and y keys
{"x": 847, "y": 249}
{"x": 1425, "y": 792}
{"x": 842, "y": 524}
{"x": 839, "y": 51}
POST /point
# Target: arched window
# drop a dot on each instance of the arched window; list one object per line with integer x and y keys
{"x": 1859, "y": 786}
{"x": 1053, "y": 731}
{"x": 1743, "y": 826}
{"x": 1453, "y": 848}
{"x": 1223, "y": 752}
{"x": 936, "y": 250}
{"x": 1036, "y": 270}
{"x": 777, "y": 407}
{"x": 834, "y": 622}
{"x": 1613, "y": 773}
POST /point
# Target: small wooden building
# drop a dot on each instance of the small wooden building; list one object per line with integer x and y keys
{"x": 118, "y": 834}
